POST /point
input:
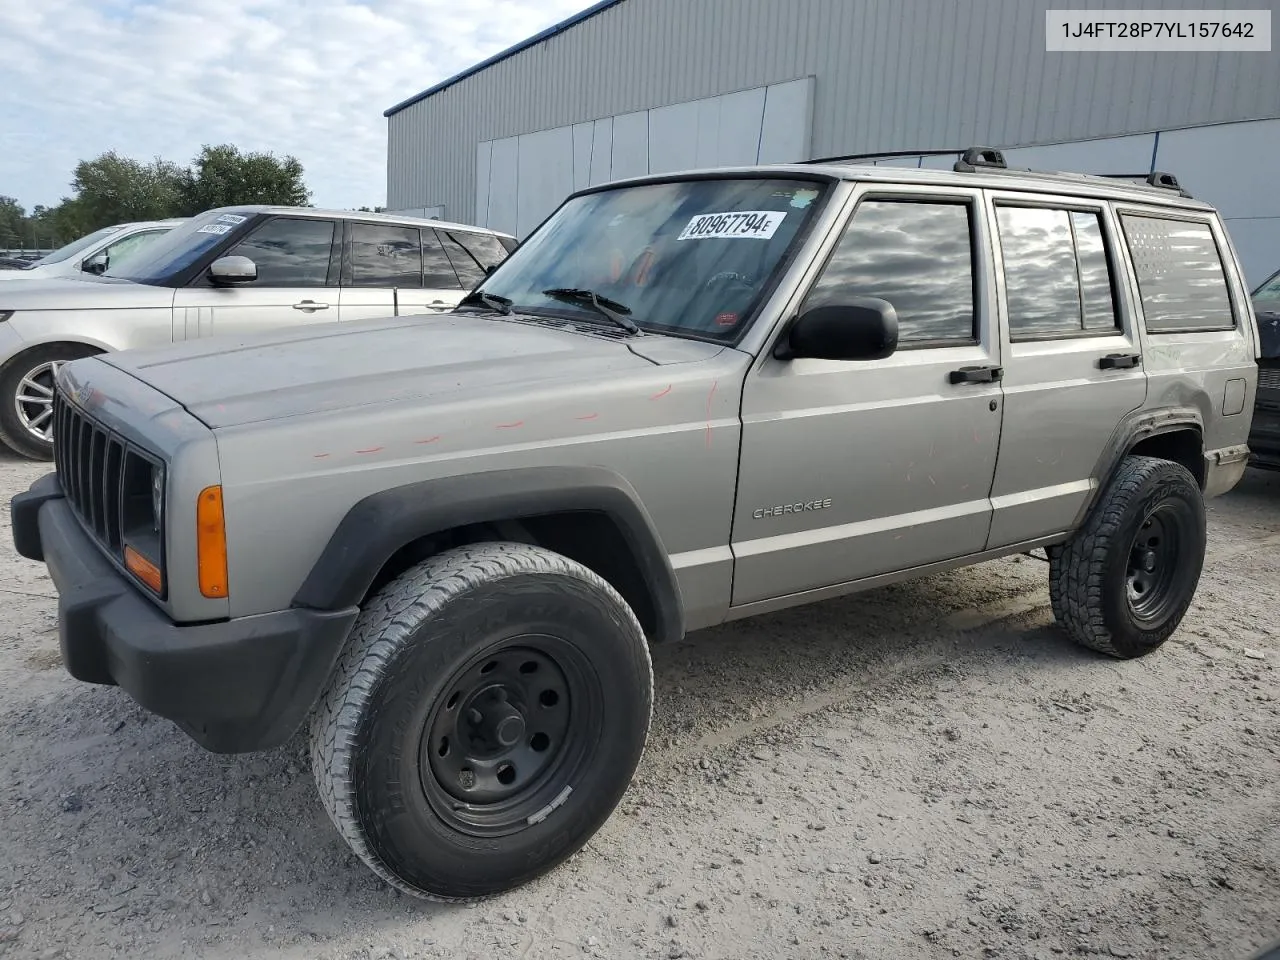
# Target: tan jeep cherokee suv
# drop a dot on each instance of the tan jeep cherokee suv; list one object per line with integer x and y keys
{"x": 444, "y": 543}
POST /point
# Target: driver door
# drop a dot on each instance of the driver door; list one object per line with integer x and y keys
{"x": 298, "y": 264}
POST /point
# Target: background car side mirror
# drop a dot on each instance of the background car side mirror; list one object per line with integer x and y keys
{"x": 862, "y": 328}
{"x": 97, "y": 264}
{"x": 229, "y": 270}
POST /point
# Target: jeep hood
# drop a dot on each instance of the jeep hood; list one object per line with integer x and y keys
{"x": 230, "y": 381}
{"x": 90, "y": 293}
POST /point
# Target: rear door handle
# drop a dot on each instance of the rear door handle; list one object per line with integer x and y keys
{"x": 310, "y": 306}
{"x": 1119, "y": 361}
{"x": 977, "y": 375}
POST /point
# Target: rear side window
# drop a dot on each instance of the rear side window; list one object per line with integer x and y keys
{"x": 1056, "y": 275}
{"x": 1180, "y": 274}
{"x": 471, "y": 254}
{"x": 385, "y": 256}
{"x": 438, "y": 271}
{"x": 918, "y": 256}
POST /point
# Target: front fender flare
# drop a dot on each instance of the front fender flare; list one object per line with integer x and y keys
{"x": 375, "y": 528}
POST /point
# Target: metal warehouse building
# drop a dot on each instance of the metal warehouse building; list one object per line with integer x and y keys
{"x": 630, "y": 87}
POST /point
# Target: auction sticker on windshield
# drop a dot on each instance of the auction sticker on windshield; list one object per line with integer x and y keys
{"x": 214, "y": 228}
{"x": 745, "y": 225}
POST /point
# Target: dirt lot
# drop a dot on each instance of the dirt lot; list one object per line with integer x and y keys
{"x": 929, "y": 770}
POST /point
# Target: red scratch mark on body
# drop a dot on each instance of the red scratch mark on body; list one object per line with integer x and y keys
{"x": 428, "y": 439}
{"x": 370, "y": 450}
{"x": 659, "y": 396}
{"x": 509, "y": 426}
{"x": 710, "y": 399}
{"x": 589, "y": 416}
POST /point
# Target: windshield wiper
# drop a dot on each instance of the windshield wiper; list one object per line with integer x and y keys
{"x": 494, "y": 302}
{"x": 612, "y": 310}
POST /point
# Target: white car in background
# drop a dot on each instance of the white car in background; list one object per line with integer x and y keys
{"x": 95, "y": 253}
{"x": 232, "y": 271}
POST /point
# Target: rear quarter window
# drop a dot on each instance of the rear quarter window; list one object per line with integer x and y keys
{"x": 1180, "y": 274}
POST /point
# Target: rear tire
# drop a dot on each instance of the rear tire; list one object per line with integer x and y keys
{"x": 26, "y": 397}
{"x": 484, "y": 720}
{"x": 1123, "y": 583}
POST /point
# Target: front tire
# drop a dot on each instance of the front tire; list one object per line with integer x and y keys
{"x": 484, "y": 720}
{"x": 26, "y": 397}
{"x": 1123, "y": 583}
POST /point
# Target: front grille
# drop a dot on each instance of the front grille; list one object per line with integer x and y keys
{"x": 104, "y": 479}
{"x": 1269, "y": 378}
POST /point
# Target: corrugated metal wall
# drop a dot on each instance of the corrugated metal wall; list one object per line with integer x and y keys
{"x": 890, "y": 75}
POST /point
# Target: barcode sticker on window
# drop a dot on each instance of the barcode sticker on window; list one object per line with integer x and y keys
{"x": 746, "y": 225}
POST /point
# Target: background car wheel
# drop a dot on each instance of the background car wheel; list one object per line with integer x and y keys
{"x": 484, "y": 720}
{"x": 26, "y": 397}
{"x": 1124, "y": 582}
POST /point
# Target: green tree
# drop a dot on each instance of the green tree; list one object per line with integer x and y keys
{"x": 114, "y": 189}
{"x": 222, "y": 176}
{"x": 13, "y": 223}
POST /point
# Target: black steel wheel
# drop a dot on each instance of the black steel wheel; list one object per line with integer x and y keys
{"x": 515, "y": 723}
{"x": 484, "y": 720}
{"x": 1122, "y": 584}
{"x": 1154, "y": 563}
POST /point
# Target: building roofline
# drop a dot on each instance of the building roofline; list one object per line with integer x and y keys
{"x": 533, "y": 41}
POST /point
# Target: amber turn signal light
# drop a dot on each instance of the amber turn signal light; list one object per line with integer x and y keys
{"x": 211, "y": 543}
{"x": 143, "y": 569}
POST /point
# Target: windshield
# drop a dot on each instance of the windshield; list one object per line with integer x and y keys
{"x": 177, "y": 249}
{"x": 75, "y": 246}
{"x": 691, "y": 257}
{"x": 1270, "y": 289}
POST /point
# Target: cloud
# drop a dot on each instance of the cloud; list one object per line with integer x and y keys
{"x": 162, "y": 77}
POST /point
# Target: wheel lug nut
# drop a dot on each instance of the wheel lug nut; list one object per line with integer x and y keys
{"x": 475, "y": 716}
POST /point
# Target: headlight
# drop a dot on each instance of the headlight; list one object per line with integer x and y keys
{"x": 157, "y": 497}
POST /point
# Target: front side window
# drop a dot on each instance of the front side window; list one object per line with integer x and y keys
{"x": 1056, "y": 275}
{"x": 385, "y": 256}
{"x": 689, "y": 257}
{"x": 289, "y": 252}
{"x": 1180, "y": 275}
{"x": 916, "y": 255}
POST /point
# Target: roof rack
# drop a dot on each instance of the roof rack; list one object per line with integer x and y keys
{"x": 992, "y": 160}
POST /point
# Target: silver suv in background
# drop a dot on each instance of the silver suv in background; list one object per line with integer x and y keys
{"x": 230, "y": 271}
{"x": 686, "y": 399}
{"x": 93, "y": 254}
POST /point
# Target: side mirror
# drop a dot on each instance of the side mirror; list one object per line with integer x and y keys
{"x": 229, "y": 270}
{"x": 97, "y": 264}
{"x": 862, "y": 328}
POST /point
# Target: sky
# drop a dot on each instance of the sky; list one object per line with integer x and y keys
{"x": 310, "y": 78}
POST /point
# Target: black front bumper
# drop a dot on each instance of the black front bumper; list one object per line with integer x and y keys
{"x": 234, "y": 686}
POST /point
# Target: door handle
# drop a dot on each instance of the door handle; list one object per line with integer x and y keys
{"x": 310, "y": 306}
{"x": 990, "y": 374}
{"x": 1119, "y": 361}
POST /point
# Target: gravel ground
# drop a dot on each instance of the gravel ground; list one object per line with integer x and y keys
{"x": 927, "y": 770}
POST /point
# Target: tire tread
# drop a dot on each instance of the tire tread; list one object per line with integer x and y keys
{"x": 385, "y": 625}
